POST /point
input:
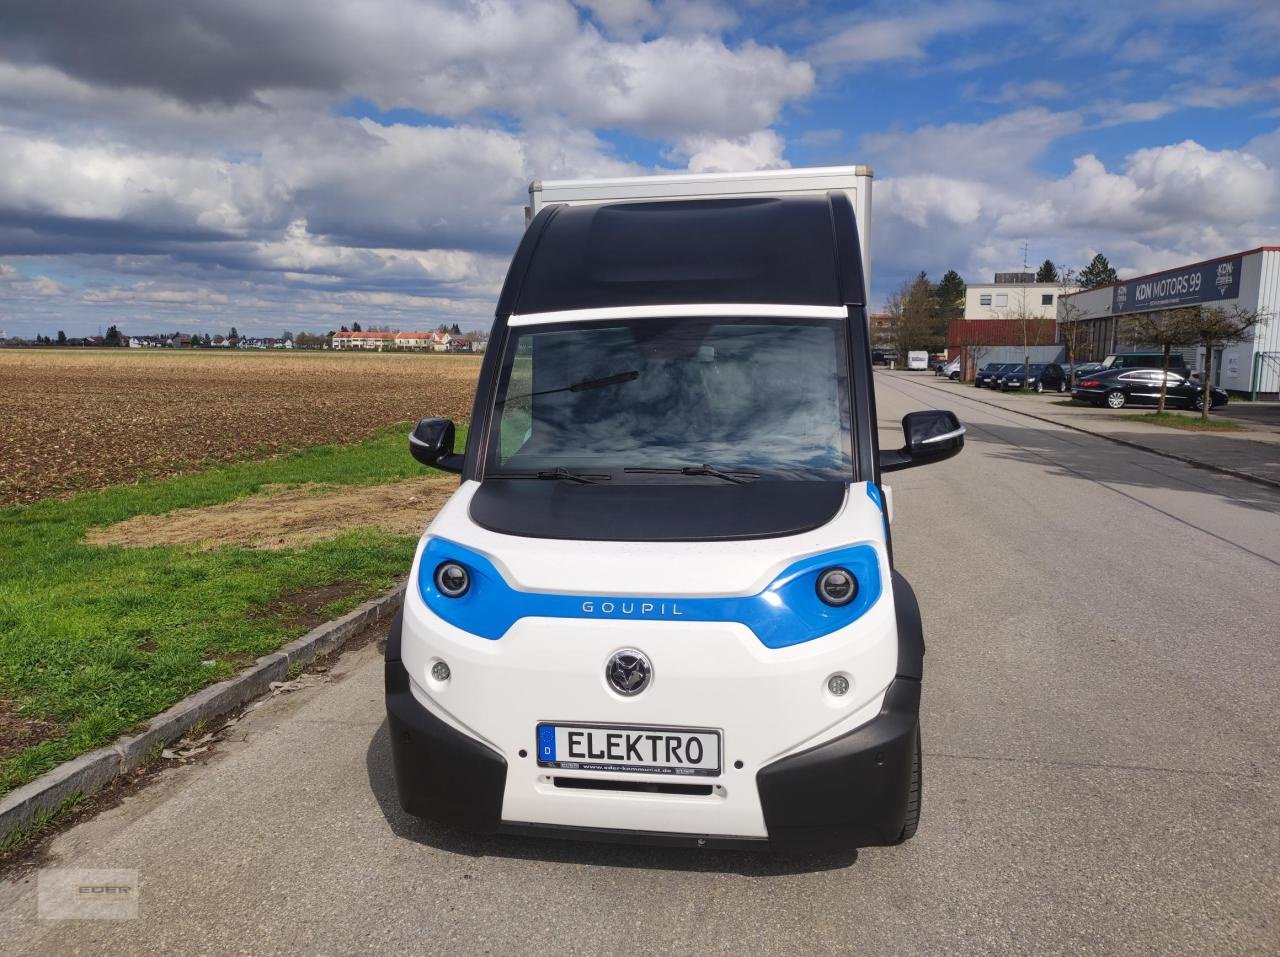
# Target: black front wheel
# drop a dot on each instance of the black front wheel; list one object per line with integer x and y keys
{"x": 912, "y": 820}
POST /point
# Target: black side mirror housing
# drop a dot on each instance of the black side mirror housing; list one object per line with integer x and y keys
{"x": 931, "y": 436}
{"x": 431, "y": 443}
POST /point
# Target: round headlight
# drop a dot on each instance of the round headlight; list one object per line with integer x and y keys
{"x": 837, "y": 586}
{"x": 452, "y": 579}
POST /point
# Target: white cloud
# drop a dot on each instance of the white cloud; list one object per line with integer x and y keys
{"x": 868, "y": 41}
{"x": 995, "y": 150}
{"x": 704, "y": 154}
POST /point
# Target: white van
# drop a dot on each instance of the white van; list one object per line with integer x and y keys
{"x": 917, "y": 360}
{"x": 661, "y": 606}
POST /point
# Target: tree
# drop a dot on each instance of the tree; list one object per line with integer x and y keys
{"x": 62, "y": 338}
{"x": 112, "y": 337}
{"x": 915, "y": 312}
{"x": 454, "y": 330}
{"x": 233, "y": 334}
{"x": 949, "y": 294}
{"x": 1072, "y": 332}
{"x": 1097, "y": 273}
{"x": 355, "y": 327}
{"x": 1165, "y": 328}
{"x": 208, "y": 341}
{"x": 1047, "y": 272}
{"x": 286, "y": 335}
{"x": 1214, "y": 326}
{"x": 442, "y": 328}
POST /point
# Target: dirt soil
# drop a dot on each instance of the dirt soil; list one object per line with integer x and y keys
{"x": 18, "y": 732}
{"x": 287, "y": 517}
{"x": 303, "y": 607}
{"x": 74, "y": 419}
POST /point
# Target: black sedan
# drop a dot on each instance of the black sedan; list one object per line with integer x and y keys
{"x": 987, "y": 374}
{"x": 1116, "y": 388}
{"x": 1044, "y": 377}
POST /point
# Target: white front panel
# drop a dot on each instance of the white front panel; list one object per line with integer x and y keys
{"x": 712, "y": 676}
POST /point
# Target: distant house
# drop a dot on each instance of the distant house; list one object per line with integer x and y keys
{"x": 364, "y": 340}
{"x": 415, "y": 340}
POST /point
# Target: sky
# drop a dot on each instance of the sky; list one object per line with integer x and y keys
{"x": 184, "y": 165}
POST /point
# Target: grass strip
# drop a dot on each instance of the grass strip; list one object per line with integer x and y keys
{"x": 97, "y": 640}
{"x": 1188, "y": 423}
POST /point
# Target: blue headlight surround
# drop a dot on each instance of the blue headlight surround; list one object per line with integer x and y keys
{"x": 787, "y": 612}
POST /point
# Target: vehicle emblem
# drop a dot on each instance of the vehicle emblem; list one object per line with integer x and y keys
{"x": 628, "y": 672}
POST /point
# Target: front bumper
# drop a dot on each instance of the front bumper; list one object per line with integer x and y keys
{"x": 848, "y": 792}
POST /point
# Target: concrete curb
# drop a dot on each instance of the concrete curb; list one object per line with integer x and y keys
{"x": 93, "y": 771}
{"x": 1186, "y": 460}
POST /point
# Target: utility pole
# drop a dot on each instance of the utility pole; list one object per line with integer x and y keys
{"x": 1026, "y": 351}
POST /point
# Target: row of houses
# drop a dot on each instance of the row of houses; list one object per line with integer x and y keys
{"x": 184, "y": 341}
{"x": 425, "y": 341}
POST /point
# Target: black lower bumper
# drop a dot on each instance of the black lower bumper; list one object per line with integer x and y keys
{"x": 440, "y": 773}
{"x": 851, "y": 791}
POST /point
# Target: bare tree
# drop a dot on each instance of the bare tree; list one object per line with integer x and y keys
{"x": 1072, "y": 331}
{"x": 1214, "y": 326}
{"x": 1165, "y": 328}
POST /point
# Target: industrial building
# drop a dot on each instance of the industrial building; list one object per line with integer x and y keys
{"x": 1249, "y": 280}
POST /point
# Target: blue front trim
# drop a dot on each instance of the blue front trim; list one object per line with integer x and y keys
{"x": 788, "y": 611}
{"x": 873, "y": 493}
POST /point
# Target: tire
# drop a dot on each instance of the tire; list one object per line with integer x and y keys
{"x": 1062, "y": 386}
{"x": 912, "y": 820}
{"x": 1115, "y": 399}
{"x": 1198, "y": 402}
{"x": 1039, "y": 387}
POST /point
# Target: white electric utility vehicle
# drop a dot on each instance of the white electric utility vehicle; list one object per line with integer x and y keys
{"x": 661, "y": 605}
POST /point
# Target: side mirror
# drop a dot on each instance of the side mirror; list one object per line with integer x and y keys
{"x": 431, "y": 443}
{"x": 931, "y": 436}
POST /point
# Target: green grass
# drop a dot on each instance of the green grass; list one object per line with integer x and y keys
{"x": 75, "y": 618}
{"x": 1188, "y": 423}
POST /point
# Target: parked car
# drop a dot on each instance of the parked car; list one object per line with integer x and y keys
{"x": 884, "y": 357}
{"x": 1043, "y": 377}
{"x": 1084, "y": 369}
{"x": 1144, "y": 360}
{"x": 950, "y": 370}
{"x": 1117, "y": 388}
{"x": 988, "y": 372}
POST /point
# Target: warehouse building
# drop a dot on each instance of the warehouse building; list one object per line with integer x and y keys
{"x": 1248, "y": 280}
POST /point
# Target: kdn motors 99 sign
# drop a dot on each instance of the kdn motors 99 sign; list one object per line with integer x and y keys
{"x": 1211, "y": 282}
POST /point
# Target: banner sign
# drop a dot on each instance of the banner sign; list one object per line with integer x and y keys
{"x": 1212, "y": 282}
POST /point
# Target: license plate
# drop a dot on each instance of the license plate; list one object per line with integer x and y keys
{"x": 603, "y": 747}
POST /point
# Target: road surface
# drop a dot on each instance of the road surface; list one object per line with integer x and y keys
{"x": 1101, "y": 763}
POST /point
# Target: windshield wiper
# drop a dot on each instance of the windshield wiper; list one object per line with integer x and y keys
{"x": 583, "y": 386}
{"x": 558, "y": 473}
{"x": 737, "y": 476}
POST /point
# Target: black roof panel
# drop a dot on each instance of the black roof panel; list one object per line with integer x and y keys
{"x": 755, "y": 249}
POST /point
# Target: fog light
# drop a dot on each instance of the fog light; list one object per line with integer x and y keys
{"x": 440, "y": 672}
{"x": 452, "y": 579}
{"x": 838, "y": 685}
{"x": 837, "y": 586}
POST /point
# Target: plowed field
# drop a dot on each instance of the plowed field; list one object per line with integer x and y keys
{"x": 72, "y": 420}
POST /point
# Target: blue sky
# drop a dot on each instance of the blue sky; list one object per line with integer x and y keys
{"x": 182, "y": 165}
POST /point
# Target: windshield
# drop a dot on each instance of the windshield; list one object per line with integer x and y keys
{"x": 768, "y": 396}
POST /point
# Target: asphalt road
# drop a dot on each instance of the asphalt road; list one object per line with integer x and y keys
{"x": 1101, "y": 763}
